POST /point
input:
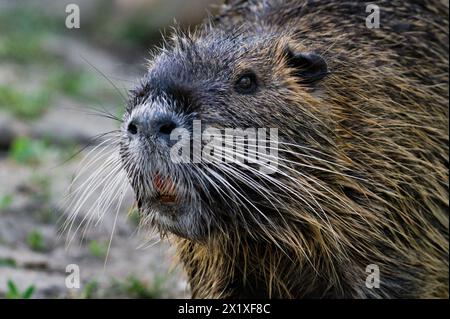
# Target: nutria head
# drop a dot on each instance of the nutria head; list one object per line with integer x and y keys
{"x": 220, "y": 80}
{"x": 359, "y": 172}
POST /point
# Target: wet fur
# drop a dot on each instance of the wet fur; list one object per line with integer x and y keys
{"x": 372, "y": 185}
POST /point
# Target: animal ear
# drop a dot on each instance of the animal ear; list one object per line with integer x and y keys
{"x": 309, "y": 67}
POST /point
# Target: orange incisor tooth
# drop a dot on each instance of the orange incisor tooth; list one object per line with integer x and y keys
{"x": 165, "y": 187}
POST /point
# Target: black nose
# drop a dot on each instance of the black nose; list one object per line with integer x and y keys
{"x": 167, "y": 128}
{"x": 157, "y": 128}
{"x": 132, "y": 128}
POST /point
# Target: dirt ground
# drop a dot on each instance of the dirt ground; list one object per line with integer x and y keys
{"x": 49, "y": 85}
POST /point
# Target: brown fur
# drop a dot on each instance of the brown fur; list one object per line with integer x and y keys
{"x": 385, "y": 107}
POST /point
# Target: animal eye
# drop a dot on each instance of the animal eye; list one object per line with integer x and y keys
{"x": 246, "y": 83}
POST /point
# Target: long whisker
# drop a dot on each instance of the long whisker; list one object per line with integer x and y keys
{"x": 105, "y": 77}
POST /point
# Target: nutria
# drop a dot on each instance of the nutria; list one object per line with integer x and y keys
{"x": 362, "y": 176}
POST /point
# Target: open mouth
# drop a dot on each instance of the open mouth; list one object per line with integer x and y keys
{"x": 166, "y": 190}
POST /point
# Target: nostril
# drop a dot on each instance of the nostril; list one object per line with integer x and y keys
{"x": 167, "y": 128}
{"x": 132, "y": 128}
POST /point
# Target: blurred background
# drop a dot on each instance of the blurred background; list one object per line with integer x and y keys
{"x": 51, "y": 78}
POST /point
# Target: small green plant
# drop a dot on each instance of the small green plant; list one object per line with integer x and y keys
{"x": 136, "y": 288}
{"x": 24, "y": 105}
{"x": 77, "y": 84}
{"x": 22, "y": 48}
{"x": 8, "y": 262}
{"x": 90, "y": 289}
{"x": 23, "y": 33}
{"x": 97, "y": 249}
{"x": 35, "y": 241}
{"x": 42, "y": 185}
{"x": 14, "y": 292}
{"x": 26, "y": 151}
{"x": 47, "y": 215}
{"x": 5, "y": 201}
